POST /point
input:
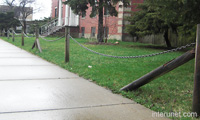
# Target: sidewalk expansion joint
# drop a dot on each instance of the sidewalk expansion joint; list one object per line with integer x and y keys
{"x": 19, "y": 57}
{"x": 70, "y": 108}
{"x": 24, "y": 65}
{"x": 16, "y": 57}
{"x": 13, "y": 52}
{"x": 3, "y": 80}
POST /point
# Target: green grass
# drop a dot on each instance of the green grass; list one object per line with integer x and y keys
{"x": 169, "y": 93}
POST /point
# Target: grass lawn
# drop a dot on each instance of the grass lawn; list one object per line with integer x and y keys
{"x": 169, "y": 93}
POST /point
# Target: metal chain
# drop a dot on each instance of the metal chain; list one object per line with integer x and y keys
{"x": 52, "y": 40}
{"x": 16, "y": 33}
{"x": 8, "y": 31}
{"x": 139, "y": 56}
{"x": 26, "y": 35}
{"x": 4, "y": 31}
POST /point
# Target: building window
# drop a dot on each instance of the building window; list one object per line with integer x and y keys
{"x": 82, "y": 31}
{"x": 93, "y": 31}
{"x": 106, "y": 32}
{"x": 83, "y": 14}
{"x": 56, "y": 11}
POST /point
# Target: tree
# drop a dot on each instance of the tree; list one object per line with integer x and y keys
{"x": 10, "y": 3}
{"x": 22, "y": 10}
{"x": 156, "y": 16}
{"x": 153, "y": 19}
{"x": 7, "y": 20}
{"x": 38, "y": 23}
{"x": 80, "y": 7}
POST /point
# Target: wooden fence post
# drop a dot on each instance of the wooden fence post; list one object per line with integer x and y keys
{"x": 37, "y": 42}
{"x": 13, "y": 35}
{"x": 22, "y": 37}
{"x": 196, "y": 93}
{"x": 67, "y": 31}
{"x": 8, "y": 34}
{"x": 4, "y": 32}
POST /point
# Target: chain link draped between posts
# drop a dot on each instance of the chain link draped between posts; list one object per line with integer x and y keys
{"x": 139, "y": 56}
{"x": 27, "y": 35}
{"x": 8, "y": 31}
{"x": 52, "y": 40}
{"x": 16, "y": 33}
{"x": 20, "y": 34}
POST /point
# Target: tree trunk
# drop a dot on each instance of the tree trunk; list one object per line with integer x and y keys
{"x": 24, "y": 28}
{"x": 100, "y": 24}
{"x": 167, "y": 39}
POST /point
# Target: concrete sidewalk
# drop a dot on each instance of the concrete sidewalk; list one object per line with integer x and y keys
{"x": 34, "y": 89}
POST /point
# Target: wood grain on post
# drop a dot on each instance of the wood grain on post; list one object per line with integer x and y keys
{"x": 37, "y": 42}
{"x": 196, "y": 92}
{"x": 160, "y": 71}
{"x": 67, "y": 44}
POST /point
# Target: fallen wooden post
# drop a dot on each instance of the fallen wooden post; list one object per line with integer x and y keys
{"x": 196, "y": 92}
{"x": 160, "y": 71}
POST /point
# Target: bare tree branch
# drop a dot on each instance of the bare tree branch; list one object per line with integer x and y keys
{"x": 10, "y": 3}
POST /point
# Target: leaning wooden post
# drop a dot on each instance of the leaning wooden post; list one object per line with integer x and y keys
{"x": 22, "y": 37}
{"x": 37, "y": 42}
{"x": 67, "y": 31}
{"x": 13, "y": 35}
{"x": 196, "y": 93}
{"x": 169, "y": 66}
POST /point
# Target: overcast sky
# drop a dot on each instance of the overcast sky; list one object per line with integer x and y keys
{"x": 45, "y": 8}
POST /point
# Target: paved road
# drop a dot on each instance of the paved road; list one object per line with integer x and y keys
{"x": 34, "y": 89}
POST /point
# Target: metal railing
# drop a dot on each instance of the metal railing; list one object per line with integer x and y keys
{"x": 47, "y": 28}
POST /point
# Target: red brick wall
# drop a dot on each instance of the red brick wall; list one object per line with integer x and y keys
{"x": 54, "y": 5}
{"x": 88, "y": 22}
{"x": 111, "y": 22}
{"x": 134, "y": 4}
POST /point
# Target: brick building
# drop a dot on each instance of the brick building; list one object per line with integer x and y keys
{"x": 88, "y": 27}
